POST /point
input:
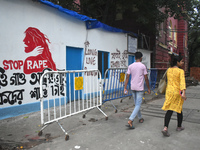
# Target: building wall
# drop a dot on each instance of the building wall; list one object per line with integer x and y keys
{"x": 182, "y": 42}
{"x": 32, "y": 24}
{"x": 51, "y": 23}
{"x": 172, "y": 34}
{"x": 115, "y": 43}
{"x": 146, "y": 59}
{"x": 195, "y": 72}
{"x": 172, "y": 39}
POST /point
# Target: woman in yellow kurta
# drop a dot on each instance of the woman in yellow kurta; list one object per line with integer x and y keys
{"x": 175, "y": 93}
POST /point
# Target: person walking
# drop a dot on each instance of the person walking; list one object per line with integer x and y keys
{"x": 138, "y": 72}
{"x": 175, "y": 93}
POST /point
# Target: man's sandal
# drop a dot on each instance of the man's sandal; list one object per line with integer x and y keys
{"x": 130, "y": 127}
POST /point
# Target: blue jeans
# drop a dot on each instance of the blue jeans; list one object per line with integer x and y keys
{"x": 137, "y": 96}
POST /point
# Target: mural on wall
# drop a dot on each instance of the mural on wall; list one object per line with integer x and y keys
{"x": 37, "y": 41}
{"x": 118, "y": 61}
{"x": 33, "y": 67}
{"x": 90, "y": 59}
{"x": 19, "y": 78}
{"x": 3, "y": 78}
{"x": 56, "y": 82}
{"x": 11, "y": 97}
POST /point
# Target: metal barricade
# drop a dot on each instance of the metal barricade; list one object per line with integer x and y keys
{"x": 153, "y": 79}
{"x": 114, "y": 80}
{"x": 67, "y": 93}
{"x": 113, "y": 86}
{"x": 152, "y": 75}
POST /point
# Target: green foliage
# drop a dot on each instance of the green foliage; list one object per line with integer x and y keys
{"x": 194, "y": 35}
{"x": 69, "y": 4}
{"x": 143, "y": 11}
{"x": 144, "y": 14}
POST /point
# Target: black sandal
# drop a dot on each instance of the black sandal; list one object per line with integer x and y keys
{"x": 130, "y": 127}
{"x": 165, "y": 133}
{"x": 141, "y": 120}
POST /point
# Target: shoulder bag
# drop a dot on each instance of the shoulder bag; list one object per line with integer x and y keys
{"x": 163, "y": 84}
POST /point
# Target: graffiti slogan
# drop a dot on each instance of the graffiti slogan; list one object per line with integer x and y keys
{"x": 23, "y": 75}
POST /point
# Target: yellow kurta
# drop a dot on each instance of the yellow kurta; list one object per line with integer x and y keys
{"x": 175, "y": 83}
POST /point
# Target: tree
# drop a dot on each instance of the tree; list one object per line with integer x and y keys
{"x": 69, "y": 4}
{"x": 194, "y": 35}
{"x": 142, "y": 12}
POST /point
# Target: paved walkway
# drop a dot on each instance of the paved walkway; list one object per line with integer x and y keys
{"x": 94, "y": 132}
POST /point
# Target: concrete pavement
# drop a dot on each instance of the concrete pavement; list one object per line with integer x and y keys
{"x": 95, "y": 133}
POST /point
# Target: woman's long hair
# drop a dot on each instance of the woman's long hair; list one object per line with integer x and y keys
{"x": 39, "y": 40}
{"x": 175, "y": 59}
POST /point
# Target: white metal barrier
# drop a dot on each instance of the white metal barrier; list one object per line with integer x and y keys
{"x": 66, "y": 93}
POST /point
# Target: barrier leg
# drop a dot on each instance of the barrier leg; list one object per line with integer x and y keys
{"x": 40, "y": 132}
{"x": 86, "y": 113}
{"x": 102, "y": 112}
{"x": 144, "y": 101}
{"x": 114, "y": 106}
{"x": 124, "y": 98}
{"x": 154, "y": 92}
{"x": 66, "y": 135}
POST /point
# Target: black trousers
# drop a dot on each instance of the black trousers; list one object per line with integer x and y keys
{"x": 168, "y": 117}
